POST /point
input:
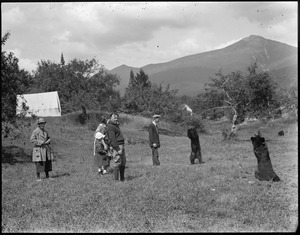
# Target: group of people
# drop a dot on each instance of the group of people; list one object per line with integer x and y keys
{"x": 108, "y": 146}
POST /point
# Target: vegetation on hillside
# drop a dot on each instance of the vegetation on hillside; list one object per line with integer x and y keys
{"x": 87, "y": 85}
{"x": 14, "y": 81}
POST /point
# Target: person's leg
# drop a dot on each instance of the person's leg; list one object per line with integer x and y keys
{"x": 98, "y": 159}
{"x": 155, "y": 159}
{"x": 38, "y": 176}
{"x": 105, "y": 163}
{"x": 48, "y": 167}
{"x": 122, "y": 166}
{"x": 38, "y": 170}
{"x": 116, "y": 170}
{"x": 122, "y": 173}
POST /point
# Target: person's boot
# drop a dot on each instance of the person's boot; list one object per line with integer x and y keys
{"x": 116, "y": 173}
{"x": 122, "y": 173}
{"x": 38, "y": 177}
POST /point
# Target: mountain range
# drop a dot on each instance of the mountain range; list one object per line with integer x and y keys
{"x": 189, "y": 74}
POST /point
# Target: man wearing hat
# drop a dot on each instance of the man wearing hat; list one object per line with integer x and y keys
{"x": 154, "y": 139}
{"x": 117, "y": 142}
{"x": 41, "y": 151}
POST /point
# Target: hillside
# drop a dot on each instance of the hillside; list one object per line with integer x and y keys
{"x": 190, "y": 73}
{"x": 223, "y": 194}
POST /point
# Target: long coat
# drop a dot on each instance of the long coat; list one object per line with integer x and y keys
{"x": 37, "y": 138}
{"x": 153, "y": 135}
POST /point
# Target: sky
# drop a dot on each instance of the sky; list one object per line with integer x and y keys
{"x": 138, "y": 33}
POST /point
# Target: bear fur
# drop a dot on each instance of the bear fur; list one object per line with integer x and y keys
{"x": 195, "y": 145}
{"x": 264, "y": 170}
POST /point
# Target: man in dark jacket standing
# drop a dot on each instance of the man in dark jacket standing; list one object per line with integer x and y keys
{"x": 154, "y": 139}
{"x": 117, "y": 143}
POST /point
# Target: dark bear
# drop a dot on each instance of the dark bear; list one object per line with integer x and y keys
{"x": 264, "y": 170}
{"x": 281, "y": 133}
{"x": 195, "y": 145}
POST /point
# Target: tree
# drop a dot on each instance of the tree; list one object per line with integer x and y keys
{"x": 261, "y": 92}
{"x": 14, "y": 81}
{"x": 288, "y": 99}
{"x": 62, "y": 60}
{"x": 244, "y": 94}
{"x": 79, "y": 83}
{"x": 144, "y": 98}
{"x": 136, "y": 97}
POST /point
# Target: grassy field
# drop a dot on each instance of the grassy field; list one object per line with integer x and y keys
{"x": 221, "y": 195}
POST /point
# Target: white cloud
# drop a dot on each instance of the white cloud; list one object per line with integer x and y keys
{"x": 13, "y": 16}
{"x": 139, "y": 33}
{"x": 27, "y": 64}
{"x": 64, "y": 36}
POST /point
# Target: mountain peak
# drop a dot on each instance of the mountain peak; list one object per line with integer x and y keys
{"x": 253, "y": 41}
{"x": 253, "y": 37}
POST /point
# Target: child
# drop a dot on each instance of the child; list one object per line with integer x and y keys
{"x": 101, "y": 147}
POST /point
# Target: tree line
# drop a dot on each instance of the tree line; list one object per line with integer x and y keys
{"x": 88, "y": 84}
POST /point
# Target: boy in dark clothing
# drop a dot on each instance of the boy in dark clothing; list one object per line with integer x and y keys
{"x": 117, "y": 143}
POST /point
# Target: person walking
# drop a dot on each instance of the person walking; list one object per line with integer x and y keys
{"x": 154, "y": 142}
{"x": 117, "y": 143}
{"x": 41, "y": 155}
{"x": 101, "y": 147}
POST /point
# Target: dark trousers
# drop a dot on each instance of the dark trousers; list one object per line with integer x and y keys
{"x": 119, "y": 172}
{"x": 155, "y": 159}
{"x": 119, "y": 166}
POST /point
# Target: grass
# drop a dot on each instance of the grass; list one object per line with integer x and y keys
{"x": 221, "y": 195}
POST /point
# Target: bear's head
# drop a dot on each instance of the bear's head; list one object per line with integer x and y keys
{"x": 257, "y": 141}
{"x": 192, "y": 132}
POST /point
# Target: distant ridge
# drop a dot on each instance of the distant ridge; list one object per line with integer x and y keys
{"x": 190, "y": 73}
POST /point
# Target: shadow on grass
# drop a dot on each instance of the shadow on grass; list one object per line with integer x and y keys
{"x": 132, "y": 177}
{"x": 57, "y": 175}
{"x": 15, "y": 154}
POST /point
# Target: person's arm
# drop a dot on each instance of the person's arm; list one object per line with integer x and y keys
{"x": 104, "y": 144}
{"x": 151, "y": 135}
{"x": 48, "y": 139}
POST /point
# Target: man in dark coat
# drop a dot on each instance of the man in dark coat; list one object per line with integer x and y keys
{"x": 117, "y": 142}
{"x": 154, "y": 142}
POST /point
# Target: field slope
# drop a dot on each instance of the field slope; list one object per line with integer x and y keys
{"x": 221, "y": 195}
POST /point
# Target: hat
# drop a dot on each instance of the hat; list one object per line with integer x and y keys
{"x": 99, "y": 135}
{"x": 41, "y": 120}
{"x": 156, "y": 116}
